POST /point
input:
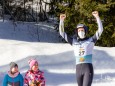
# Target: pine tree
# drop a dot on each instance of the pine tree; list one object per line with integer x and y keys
{"x": 80, "y": 11}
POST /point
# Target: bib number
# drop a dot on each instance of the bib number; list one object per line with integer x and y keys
{"x": 81, "y": 52}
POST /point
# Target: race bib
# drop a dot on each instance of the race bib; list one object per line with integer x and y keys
{"x": 81, "y": 51}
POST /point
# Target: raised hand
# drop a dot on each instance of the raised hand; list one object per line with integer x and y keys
{"x": 95, "y": 14}
{"x": 62, "y": 16}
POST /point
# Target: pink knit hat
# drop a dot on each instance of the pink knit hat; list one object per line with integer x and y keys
{"x": 32, "y": 62}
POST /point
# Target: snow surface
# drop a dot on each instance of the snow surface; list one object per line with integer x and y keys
{"x": 24, "y": 41}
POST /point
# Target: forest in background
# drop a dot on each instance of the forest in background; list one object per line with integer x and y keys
{"x": 77, "y": 11}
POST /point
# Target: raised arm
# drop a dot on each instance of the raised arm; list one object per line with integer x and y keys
{"x": 100, "y": 26}
{"x": 61, "y": 29}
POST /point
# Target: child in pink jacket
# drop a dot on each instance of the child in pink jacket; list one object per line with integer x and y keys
{"x": 34, "y": 77}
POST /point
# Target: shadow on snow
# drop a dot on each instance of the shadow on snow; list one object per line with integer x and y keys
{"x": 66, "y": 60}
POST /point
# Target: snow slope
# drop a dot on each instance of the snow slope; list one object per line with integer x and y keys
{"x": 20, "y": 43}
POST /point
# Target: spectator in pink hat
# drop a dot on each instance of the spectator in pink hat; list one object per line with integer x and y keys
{"x": 34, "y": 77}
